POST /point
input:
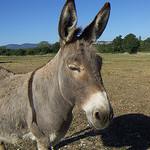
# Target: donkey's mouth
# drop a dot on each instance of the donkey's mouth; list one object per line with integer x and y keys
{"x": 99, "y": 126}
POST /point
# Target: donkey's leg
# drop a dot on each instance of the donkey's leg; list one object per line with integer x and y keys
{"x": 41, "y": 146}
{"x": 2, "y": 146}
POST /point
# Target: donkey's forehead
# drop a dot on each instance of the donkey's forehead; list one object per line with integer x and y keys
{"x": 81, "y": 49}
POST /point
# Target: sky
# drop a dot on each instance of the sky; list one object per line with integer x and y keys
{"x": 33, "y": 21}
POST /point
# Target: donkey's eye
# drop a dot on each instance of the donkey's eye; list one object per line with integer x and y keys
{"x": 74, "y": 68}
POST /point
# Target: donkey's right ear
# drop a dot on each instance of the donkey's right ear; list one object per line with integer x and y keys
{"x": 94, "y": 30}
{"x": 67, "y": 22}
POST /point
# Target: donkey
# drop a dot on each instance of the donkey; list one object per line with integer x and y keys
{"x": 38, "y": 105}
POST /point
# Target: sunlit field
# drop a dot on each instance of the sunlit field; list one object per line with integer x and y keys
{"x": 127, "y": 81}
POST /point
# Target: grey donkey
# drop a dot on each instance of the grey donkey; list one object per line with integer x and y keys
{"x": 38, "y": 105}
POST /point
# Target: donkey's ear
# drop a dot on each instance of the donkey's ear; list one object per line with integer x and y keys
{"x": 67, "y": 21}
{"x": 94, "y": 30}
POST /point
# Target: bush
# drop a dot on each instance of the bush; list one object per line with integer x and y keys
{"x": 55, "y": 47}
{"x": 131, "y": 44}
{"x": 19, "y": 52}
{"x": 117, "y": 44}
{"x": 30, "y": 51}
{"x": 145, "y": 45}
{"x": 104, "y": 48}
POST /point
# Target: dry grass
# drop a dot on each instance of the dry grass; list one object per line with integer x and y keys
{"x": 127, "y": 80}
{"x": 23, "y": 64}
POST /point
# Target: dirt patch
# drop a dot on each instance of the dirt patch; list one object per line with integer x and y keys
{"x": 127, "y": 81}
{"x": 132, "y": 130}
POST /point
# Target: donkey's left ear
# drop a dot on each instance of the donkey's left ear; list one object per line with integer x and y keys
{"x": 94, "y": 30}
{"x": 67, "y": 22}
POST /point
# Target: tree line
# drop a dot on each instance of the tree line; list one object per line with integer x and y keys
{"x": 129, "y": 44}
{"x": 41, "y": 49}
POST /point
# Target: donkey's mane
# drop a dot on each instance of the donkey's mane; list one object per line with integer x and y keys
{"x": 78, "y": 32}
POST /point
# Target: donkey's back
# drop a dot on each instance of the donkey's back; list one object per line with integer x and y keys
{"x": 4, "y": 73}
{"x": 14, "y": 107}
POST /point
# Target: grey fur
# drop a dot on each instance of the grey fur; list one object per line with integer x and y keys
{"x": 39, "y": 104}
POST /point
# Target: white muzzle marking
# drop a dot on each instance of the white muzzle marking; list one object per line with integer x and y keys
{"x": 97, "y": 100}
{"x": 97, "y": 110}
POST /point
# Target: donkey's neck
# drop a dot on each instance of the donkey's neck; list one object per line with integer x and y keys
{"x": 46, "y": 93}
{"x": 51, "y": 71}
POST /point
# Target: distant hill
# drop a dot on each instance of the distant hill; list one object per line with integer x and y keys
{"x": 22, "y": 46}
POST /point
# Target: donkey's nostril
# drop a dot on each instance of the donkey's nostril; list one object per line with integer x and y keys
{"x": 101, "y": 116}
{"x": 97, "y": 116}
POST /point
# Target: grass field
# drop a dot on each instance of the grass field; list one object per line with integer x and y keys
{"x": 127, "y": 81}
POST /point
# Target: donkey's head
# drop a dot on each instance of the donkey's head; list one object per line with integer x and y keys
{"x": 79, "y": 72}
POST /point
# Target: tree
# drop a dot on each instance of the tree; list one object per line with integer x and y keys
{"x": 2, "y": 47}
{"x": 19, "y": 52}
{"x": 55, "y": 47}
{"x": 145, "y": 45}
{"x": 43, "y": 48}
{"x": 131, "y": 44}
{"x": 3, "y": 51}
{"x": 30, "y": 51}
{"x": 43, "y": 44}
{"x": 117, "y": 44}
{"x": 8, "y": 52}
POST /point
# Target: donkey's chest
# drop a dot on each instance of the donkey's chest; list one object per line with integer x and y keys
{"x": 61, "y": 131}
{"x": 57, "y": 128}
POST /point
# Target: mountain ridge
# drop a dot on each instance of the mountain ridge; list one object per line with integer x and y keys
{"x": 20, "y": 46}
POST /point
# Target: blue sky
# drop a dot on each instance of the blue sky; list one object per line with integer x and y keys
{"x": 32, "y": 21}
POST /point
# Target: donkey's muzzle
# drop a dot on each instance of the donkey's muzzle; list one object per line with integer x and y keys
{"x": 98, "y": 110}
{"x": 101, "y": 118}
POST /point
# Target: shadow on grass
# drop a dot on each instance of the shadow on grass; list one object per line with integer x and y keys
{"x": 128, "y": 130}
{"x": 5, "y": 62}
